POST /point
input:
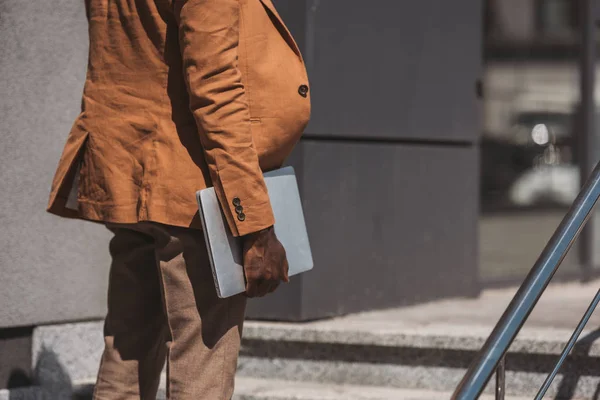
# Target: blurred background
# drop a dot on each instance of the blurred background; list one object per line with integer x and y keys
{"x": 529, "y": 176}
{"x": 447, "y": 142}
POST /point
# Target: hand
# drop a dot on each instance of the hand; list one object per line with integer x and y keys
{"x": 265, "y": 263}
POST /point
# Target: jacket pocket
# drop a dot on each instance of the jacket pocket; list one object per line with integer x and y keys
{"x": 281, "y": 27}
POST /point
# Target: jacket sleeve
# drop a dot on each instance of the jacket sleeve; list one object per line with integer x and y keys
{"x": 209, "y": 32}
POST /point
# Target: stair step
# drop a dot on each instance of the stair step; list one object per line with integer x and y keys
{"x": 273, "y": 389}
{"x": 270, "y": 389}
{"x": 432, "y": 357}
{"x": 346, "y": 352}
{"x": 421, "y": 348}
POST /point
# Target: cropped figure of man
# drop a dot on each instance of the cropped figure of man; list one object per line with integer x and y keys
{"x": 180, "y": 95}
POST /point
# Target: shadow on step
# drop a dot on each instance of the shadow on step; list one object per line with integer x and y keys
{"x": 579, "y": 363}
{"x": 571, "y": 377}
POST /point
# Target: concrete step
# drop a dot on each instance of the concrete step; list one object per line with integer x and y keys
{"x": 266, "y": 389}
{"x": 271, "y": 389}
{"x": 423, "y": 348}
{"x": 432, "y": 357}
{"x": 357, "y": 350}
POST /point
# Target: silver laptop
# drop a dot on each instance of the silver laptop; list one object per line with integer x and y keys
{"x": 225, "y": 251}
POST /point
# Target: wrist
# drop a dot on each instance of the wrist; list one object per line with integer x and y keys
{"x": 260, "y": 233}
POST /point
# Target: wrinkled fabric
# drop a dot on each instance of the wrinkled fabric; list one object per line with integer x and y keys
{"x": 181, "y": 95}
{"x": 163, "y": 306}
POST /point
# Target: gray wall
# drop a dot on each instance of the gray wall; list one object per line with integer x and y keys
{"x": 52, "y": 270}
{"x": 389, "y": 164}
{"x": 390, "y": 224}
{"x": 395, "y": 70}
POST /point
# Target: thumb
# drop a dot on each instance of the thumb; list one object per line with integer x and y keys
{"x": 286, "y": 269}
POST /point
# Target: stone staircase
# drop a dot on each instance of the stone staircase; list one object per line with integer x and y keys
{"x": 428, "y": 358}
{"x": 273, "y": 389}
{"x": 392, "y": 354}
{"x": 313, "y": 362}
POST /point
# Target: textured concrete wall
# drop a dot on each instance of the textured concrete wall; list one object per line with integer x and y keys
{"x": 52, "y": 270}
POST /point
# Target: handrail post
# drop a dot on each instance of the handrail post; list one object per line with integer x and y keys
{"x": 569, "y": 346}
{"x": 509, "y": 325}
{"x": 585, "y": 136}
{"x": 501, "y": 379}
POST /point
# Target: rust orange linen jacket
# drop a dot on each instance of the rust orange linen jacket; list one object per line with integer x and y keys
{"x": 181, "y": 95}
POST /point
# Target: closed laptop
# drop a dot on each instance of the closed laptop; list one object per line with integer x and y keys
{"x": 225, "y": 250}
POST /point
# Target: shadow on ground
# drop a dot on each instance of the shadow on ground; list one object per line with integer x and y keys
{"x": 568, "y": 384}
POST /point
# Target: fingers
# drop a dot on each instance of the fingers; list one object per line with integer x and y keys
{"x": 251, "y": 288}
{"x": 266, "y": 287}
{"x": 260, "y": 288}
{"x": 286, "y": 270}
{"x": 264, "y": 274}
{"x": 272, "y": 287}
{"x": 257, "y": 287}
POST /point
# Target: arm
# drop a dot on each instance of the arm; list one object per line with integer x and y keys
{"x": 209, "y": 33}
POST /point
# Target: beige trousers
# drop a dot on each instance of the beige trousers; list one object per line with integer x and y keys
{"x": 162, "y": 305}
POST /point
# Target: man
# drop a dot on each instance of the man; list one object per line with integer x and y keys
{"x": 180, "y": 95}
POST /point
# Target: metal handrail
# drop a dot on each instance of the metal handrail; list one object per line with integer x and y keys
{"x": 563, "y": 356}
{"x": 509, "y": 325}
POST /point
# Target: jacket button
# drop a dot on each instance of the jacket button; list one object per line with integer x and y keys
{"x": 303, "y": 90}
{"x": 239, "y": 209}
{"x": 236, "y": 201}
{"x": 241, "y": 216}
